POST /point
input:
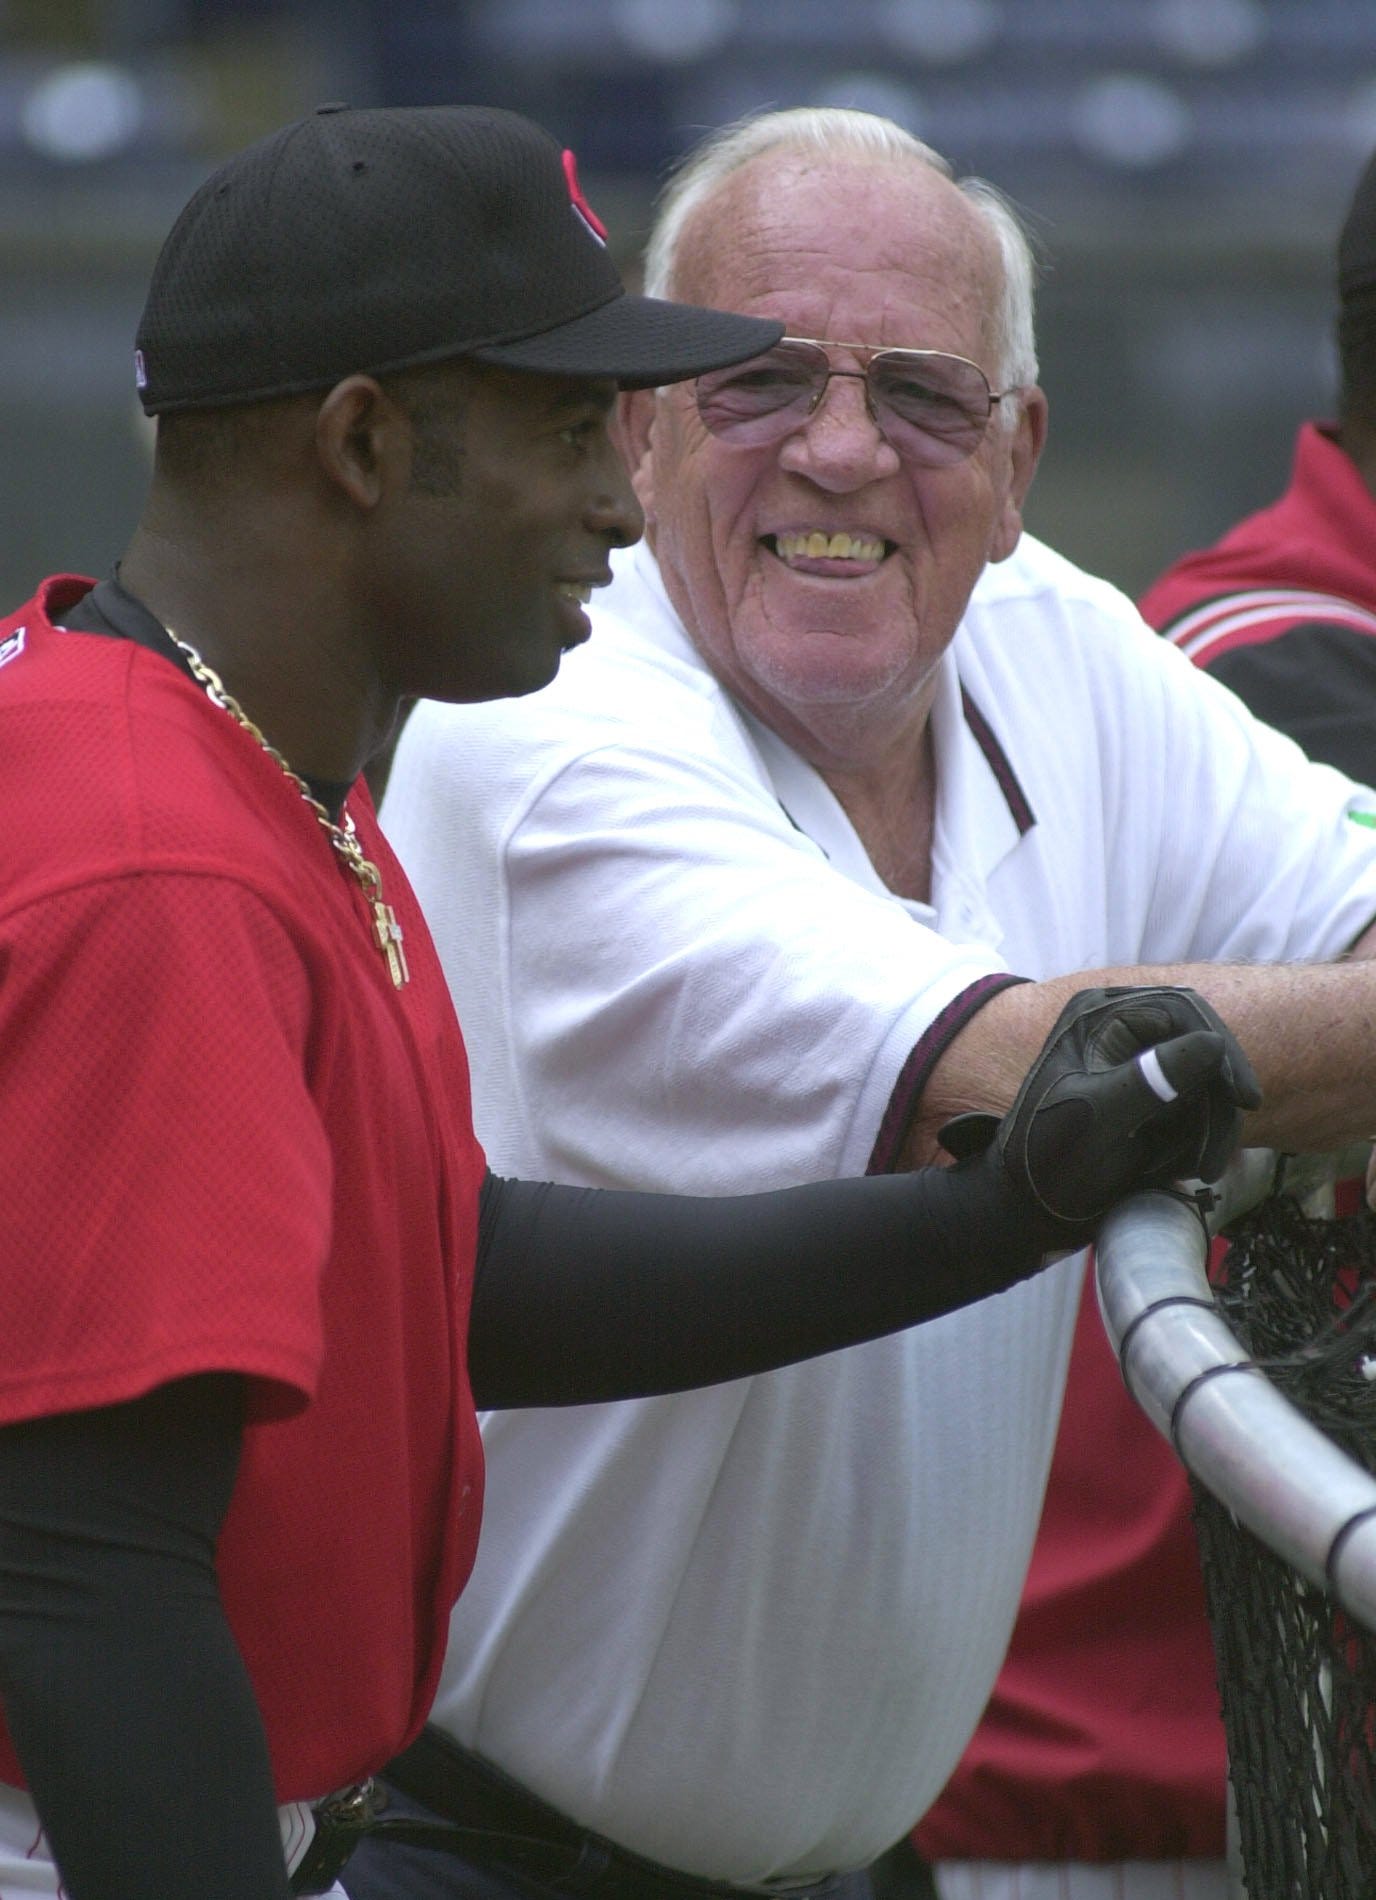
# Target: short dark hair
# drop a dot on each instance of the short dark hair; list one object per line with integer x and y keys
{"x": 1357, "y": 360}
{"x": 199, "y": 447}
{"x": 436, "y": 401}
{"x": 1357, "y": 302}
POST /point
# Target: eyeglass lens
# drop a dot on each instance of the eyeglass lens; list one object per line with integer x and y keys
{"x": 933, "y": 408}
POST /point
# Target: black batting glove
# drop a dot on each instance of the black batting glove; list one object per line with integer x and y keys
{"x": 1134, "y": 1088}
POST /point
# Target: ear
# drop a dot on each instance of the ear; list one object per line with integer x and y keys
{"x": 1024, "y": 452}
{"x": 363, "y": 441}
{"x": 633, "y": 433}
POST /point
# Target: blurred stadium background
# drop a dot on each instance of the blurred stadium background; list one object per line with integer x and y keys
{"x": 1184, "y": 165}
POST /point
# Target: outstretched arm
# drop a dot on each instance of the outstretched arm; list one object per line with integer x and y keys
{"x": 584, "y": 1295}
{"x": 1309, "y": 1031}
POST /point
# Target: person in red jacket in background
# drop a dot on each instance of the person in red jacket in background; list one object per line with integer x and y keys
{"x": 1103, "y": 1739}
{"x": 1283, "y": 608}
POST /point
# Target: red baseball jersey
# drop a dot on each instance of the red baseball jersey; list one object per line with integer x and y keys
{"x": 232, "y": 1145}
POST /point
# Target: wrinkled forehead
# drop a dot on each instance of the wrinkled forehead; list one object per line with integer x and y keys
{"x": 828, "y": 241}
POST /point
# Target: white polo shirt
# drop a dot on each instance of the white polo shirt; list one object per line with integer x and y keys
{"x": 748, "y": 1631}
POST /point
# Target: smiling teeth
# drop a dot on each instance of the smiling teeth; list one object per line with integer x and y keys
{"x": 818, "y": 546}
{"x": 581, "y": 591}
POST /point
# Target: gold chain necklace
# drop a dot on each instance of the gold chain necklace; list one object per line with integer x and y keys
{"x": 387, "y": 931}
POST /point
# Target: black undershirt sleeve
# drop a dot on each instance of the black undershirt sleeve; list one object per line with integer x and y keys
{"x": 1318, "y": 684}
{"x": 123, "y": 1687}
{"x": 585, "y": 1294}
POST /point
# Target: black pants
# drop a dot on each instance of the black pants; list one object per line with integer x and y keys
{"x": 383, "y": 1870}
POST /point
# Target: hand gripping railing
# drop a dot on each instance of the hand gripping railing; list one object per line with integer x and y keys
{"x": 1289, "y": 1484}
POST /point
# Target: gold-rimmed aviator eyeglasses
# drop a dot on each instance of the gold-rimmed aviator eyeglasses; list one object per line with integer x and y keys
{"x": 932, "y": 407}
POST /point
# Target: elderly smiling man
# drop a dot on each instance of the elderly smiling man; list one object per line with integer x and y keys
{"x": 743, "y": 900}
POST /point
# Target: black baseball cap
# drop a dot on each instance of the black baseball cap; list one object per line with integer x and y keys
{"x": 381, "y": 238}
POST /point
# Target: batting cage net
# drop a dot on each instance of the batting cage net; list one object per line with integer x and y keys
{"x": 1297, "y": 1672}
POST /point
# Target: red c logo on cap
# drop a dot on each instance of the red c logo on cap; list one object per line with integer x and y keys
{"x": 579, "y": 202}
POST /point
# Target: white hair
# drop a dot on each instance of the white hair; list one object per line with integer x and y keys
{"x": 832, "y": 131}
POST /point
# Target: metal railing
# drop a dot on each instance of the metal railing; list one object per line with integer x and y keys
{"x": 1247, "y": 1444}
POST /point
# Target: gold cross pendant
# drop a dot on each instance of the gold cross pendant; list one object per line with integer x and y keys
{"x": 388, "y": 933}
